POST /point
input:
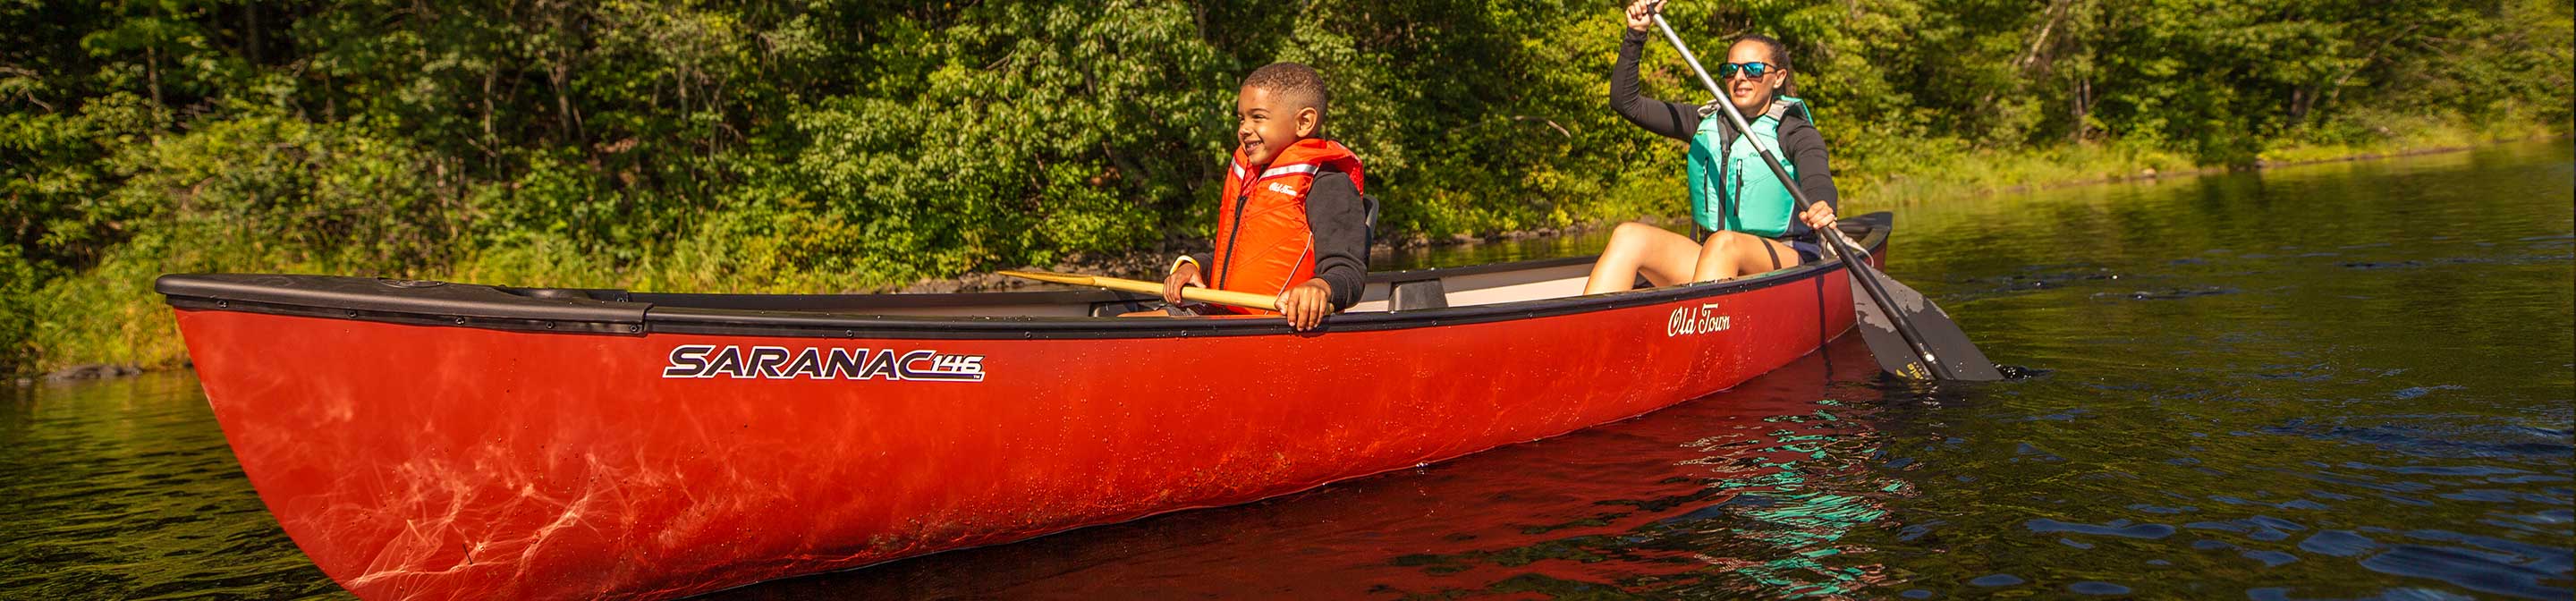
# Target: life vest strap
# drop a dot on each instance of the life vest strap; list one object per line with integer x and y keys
{"x": 1286, "y": 170}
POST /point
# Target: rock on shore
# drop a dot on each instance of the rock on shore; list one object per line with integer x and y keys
{"x": 94, "y": 371}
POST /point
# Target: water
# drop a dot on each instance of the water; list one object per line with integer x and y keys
{"x": 2338, "y": 381}
{"x": 124, "y": 489}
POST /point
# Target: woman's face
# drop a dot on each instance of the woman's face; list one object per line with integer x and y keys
{"x": 1752, "y": 94}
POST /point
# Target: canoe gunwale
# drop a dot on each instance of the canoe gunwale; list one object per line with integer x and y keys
{"x": 839, "y": 303}
{"x": 618, "y": 312}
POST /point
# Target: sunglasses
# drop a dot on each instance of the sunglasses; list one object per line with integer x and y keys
{"x": 1750, "y": 69}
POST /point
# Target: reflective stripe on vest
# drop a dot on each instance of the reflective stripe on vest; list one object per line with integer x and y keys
{"x": 1263, "y": 241}
{"x": 1747, "y": 197}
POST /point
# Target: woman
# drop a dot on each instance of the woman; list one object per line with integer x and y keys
{"x": 1733, "y": 196}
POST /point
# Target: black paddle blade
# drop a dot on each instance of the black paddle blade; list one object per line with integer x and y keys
{"x": 1958, "y": 358}
{"x": 1885, "y": 343}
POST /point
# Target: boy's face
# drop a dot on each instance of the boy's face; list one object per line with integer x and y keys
{"x": 1267, "y": 122}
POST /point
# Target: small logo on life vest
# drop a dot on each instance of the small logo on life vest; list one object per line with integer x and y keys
{"x": 1697, "y": 320}
{"x": 780, "y": 363}
{"x": 1282, "y": 189}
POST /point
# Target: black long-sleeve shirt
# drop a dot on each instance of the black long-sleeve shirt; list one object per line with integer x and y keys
{"x": 1338, "y": 220}
{"x": 1677, "y": 120}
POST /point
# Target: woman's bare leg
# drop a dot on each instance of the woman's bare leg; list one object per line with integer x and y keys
{"x": 1730, "y": 254}
{"x": 1639, "y": 249}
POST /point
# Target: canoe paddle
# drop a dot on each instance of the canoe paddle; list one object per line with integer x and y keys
{"x": 1910, "y": 337}
{"x": 1204, "y": 295}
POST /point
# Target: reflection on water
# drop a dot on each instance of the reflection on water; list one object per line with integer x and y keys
{"x": 125, "y": 490}
{"x": 2343, "y": 381}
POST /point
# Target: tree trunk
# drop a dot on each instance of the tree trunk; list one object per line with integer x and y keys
{"x": 152, "y": 74}
{"x": 2083, "y": 101}
{"x": 250, "y": 32}
{"x": 2056, "y": 11}
{"x": 491, "y": 139}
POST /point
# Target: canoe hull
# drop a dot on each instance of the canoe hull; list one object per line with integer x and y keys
{"x": 420, "y": 461}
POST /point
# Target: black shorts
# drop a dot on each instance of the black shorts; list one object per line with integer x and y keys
{"x": 1808, "y": 251}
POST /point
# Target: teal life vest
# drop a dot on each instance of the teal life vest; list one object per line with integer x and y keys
{"x": 1736, "y": 192}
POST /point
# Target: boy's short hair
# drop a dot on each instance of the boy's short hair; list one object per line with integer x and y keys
{"x": 1299, "y": 83}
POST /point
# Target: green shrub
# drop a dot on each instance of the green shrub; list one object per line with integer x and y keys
{"x": 18, "y": 285}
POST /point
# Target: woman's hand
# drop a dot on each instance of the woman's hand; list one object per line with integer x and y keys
{"x": 1819, "y": 216}
{"x": 1183, "y": 275}
{"x": 1641, "y": 14}
{"x": 1306, "y": 304}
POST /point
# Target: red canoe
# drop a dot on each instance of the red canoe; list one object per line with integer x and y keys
{"x": 455, "y": 441}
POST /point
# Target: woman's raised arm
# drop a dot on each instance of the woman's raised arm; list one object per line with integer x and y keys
{"x": 1668, "y": 119}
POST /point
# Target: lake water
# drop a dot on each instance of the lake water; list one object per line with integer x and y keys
{"x": 2338, "y": 381}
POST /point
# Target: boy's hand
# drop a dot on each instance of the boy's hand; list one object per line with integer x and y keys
{"x": 1641, "y": 14}
{"x": 1819, "y": 216}
{"x": 1183, "y": 275}
{"x": 1306, "y": 304}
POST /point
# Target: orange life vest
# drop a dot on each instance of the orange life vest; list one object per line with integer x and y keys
{"x": 1263, "y": 242}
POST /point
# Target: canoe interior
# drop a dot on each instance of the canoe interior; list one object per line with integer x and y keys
{"x": 1393, "y": 299}
{"x": 1424, "y": 289}
{"x": 1410, "y": 290}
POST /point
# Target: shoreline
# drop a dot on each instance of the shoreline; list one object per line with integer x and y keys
{"x": 1145, "y": 264}
{"x": 2264, "y": 165}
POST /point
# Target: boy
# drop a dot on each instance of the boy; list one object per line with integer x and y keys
{"x": 1291, "y": 222}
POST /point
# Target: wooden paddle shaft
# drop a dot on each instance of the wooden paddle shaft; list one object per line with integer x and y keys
{"x": 1204, "y": 295}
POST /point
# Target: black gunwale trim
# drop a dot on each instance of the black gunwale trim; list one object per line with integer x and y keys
{"x": 731, "y": 322}
{"x": 728, "y": 322}
{"x": 629, "y": 310}
{"x": 860, "y": 304}
{"x": 530, "y": 324}
{"x": 420, "y": 303}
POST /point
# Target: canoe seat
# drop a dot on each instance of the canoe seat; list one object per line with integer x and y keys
{"x": 1124, "y": 305}
{"x": 1417, "y": 294}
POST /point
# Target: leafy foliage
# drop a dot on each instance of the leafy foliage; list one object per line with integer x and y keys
{"x": 18, "y": 282}
{"x": 820, "y": 145}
